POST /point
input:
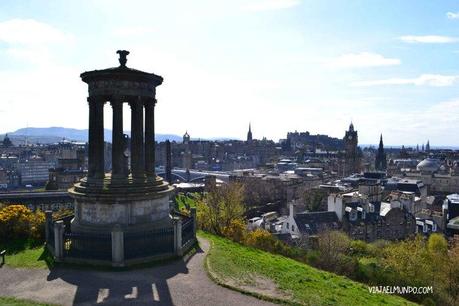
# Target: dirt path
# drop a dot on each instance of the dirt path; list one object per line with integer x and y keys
{"x": 176, "y": 283}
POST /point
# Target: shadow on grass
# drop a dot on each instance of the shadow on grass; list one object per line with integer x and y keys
{"x": 19, "y": 245}
{"x": 47, "y": 257}
{"x": 27, "y": 252}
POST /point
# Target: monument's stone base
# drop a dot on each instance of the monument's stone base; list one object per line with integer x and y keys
{"x": 135, "y": 215}
{"x": 131, "y": 204}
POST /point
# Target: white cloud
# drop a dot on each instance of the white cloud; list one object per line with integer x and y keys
{"x": 268, "y": 5}
{"x": 130, "y": 31}
{"x": 43, "y": 96}
{"x": 28, "y": 40}
{"x": 435, "y": 80}
{"x": 428, "y": 39}
{"x": 451, "y": 15}
{"x": 29, "y": 31}
{"x": 361, "y": 60}
{"x": 416, "y": 125}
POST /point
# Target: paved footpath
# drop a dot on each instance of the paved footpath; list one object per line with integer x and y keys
{"x": 175, "y": 283}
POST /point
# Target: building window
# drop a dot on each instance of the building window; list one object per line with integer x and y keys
{"x": 293, "y": 228}
{"x": 288, "y": 226}
{"x": 353, "y": 216}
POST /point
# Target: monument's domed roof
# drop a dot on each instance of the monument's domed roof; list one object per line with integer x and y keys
{"x": 121, "y": 73}
{"x": 428, "y": 165}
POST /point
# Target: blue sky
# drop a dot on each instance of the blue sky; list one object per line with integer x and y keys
{"x": 391, "y": 67}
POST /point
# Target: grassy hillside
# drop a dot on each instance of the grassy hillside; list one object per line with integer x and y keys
{"x": 245, "y": 268}
{"x": 26, "y": 254}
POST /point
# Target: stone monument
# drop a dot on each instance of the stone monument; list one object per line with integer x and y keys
{"x": 131, "y": 197}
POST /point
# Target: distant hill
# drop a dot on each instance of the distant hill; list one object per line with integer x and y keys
{"x": 55, "y": 134}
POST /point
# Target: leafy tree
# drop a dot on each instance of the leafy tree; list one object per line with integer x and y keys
{"x": 332, "y": 247}
{"x": 220, "y": 206}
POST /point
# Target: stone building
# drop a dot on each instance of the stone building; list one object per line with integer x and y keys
{"x": 434, "y": 174}
{"x": 305, "y": 140}
{"x": 373, "y": 221}
{"x": 34, "y": 171}
{"x": 71, "y": 167}
{"x": 221, "y": 155}
{"x": 365, "y": 216}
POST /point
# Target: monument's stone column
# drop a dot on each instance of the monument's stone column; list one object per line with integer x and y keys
{"x": 150, "y": 138}
{"x": 137, "y": 139}
{"x": 117, "y": 139}
{"x": 96, "y": 138}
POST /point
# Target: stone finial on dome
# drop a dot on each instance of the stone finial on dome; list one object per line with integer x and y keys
{"x": 123, "y": 54}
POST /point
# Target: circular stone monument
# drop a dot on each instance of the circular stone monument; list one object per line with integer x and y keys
{"x": 131, "y": 196}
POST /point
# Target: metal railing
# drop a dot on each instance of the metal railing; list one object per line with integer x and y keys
{"x": 89, "y": 246}
{"x": 187, "y": 231}
{"x": 148, "y": 243}
{"x": 117, "y": 246}
{"x": 50, "y": 237}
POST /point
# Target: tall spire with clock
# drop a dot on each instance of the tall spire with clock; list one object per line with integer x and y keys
{"x": 352, "y": 156}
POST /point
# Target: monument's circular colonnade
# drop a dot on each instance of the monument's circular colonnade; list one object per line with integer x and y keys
{"x": 123, "y": 217}
{"x": 132, "y": 196}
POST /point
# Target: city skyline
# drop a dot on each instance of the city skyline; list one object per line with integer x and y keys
{"x": 282, "y": 65}
{"x": 48, "y": 132}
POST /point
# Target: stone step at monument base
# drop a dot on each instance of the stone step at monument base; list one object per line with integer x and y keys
{"x": 117, "y": 190}
{"x": 110, "y": 180}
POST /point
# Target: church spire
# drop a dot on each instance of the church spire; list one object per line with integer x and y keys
{"x": 249, "y": 133}
{"x": 381, "y": 160}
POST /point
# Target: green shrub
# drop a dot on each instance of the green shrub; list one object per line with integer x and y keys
{"x": 312, "y": 257}
{"x": 359, "y": 248}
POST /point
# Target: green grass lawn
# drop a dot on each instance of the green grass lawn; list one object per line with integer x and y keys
{"x": 307, "y": 285}
{"x": 27, "y": 254}
{"x": 8, "y": 301}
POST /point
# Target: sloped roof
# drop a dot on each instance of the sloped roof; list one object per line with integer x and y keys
{"x": 308, "y": 222}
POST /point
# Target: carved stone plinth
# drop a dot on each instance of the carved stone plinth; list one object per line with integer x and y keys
{"x": 134, "y": 205}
